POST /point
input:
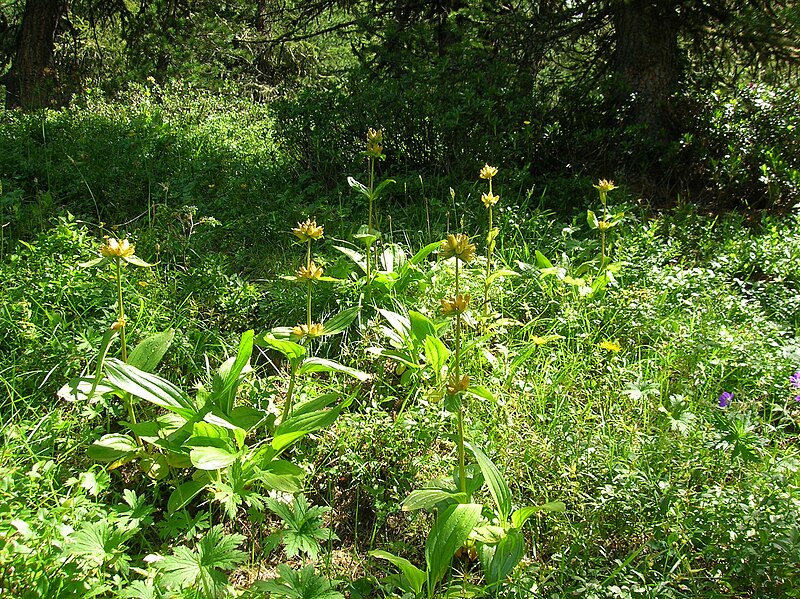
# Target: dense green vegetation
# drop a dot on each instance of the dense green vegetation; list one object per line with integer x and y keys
{"x": 398, "y": 299}
{"x": 596, "y": 375}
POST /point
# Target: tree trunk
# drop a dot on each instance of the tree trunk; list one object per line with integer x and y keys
{"x": 28, "y": 80}
{"x": 646, "y": 63}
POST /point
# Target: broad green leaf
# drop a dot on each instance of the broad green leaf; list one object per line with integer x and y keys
{"x": 359, "y": 187}
{"x": 392, "y": 257}
{"x": 366, "y": 235}
{"x": 519, "y": 517}
{"x": 136, "y": 261}
{"x": 499, "y": 560}
{"x": 294, "y": 352}
{"x": 450, "y": 531}
{"x": 338, "y": 323}
{"x": 436, "y": 353}
{"x": 401, "y": 326}
{"x": 150, "y": 387}
{"x": 421, "y": 326}
{"x": 226, "y": 382}
{"x": 314, "y": 405}
{"x": 281, "y": 475}
{"x": 300, "y": 425}
{"x": 542, "y": 261}
{"x": 147, "y": 355}
{"x": 94, "y": 262}
{"x": 415, "y": 576}
{"x": 500, "y": 273}
{"x": 355, "y": 256}
{"x": 404, "y": 357}
{"x": 494, "y": 480}
{"x": 212, "y": 458}
{"x": 110, "y": 448}
{"x": 591, "y": 218}
{"x": 488, "y": 533}
{"x": 480, "y": 392}
{"x": 314, "y": 364}
{"x": 425, "y": 499}
{"x": 184, "y": 494}
{"x": 380, "y": 187}
{"x": 83, "y": 389}
{"x": 425, "y": 252}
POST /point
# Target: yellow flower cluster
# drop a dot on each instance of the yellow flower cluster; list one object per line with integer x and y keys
{"x": 489, "y": 199}
{"x": 604, "y": 186}
{"x": 308, "y": 230}
{"x": 457, "y": 385}
{"x": 374, "y": 140}
{"x": 113, "y": 248}
{"x": 312, "y": 272}
{"x": 458, "y": 245}
{"x": 303, "y": 330}
{"x": 487, "y": 172}
{"x": 455, "y": 305}
{"x": 611, "y": 346}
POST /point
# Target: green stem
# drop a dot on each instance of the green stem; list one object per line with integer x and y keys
{"x": 287, "y": 406}
{"x": 370, "y": 217}
{"x": 488, "y": 261}
{"x": 308, "y": 291}
{"x": 127, "y": 400}
{"x": 461, "y": 462}
{"x": 121, "y": 310}
{"x": 602, "y": 249}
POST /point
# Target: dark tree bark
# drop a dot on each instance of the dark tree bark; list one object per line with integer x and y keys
{"x": 646, "y": 62}
{"x": 27, "y": 82}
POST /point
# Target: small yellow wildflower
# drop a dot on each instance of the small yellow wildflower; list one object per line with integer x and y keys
{"x": 489, "y": 199}
{"x": 374, "y": 140}
{"x": 611, "y": 346}
{"x": 458, "y": 245}
{"x": 309, "y": 273}
{"x": 303, "y": 330}
{"x": 455, "y": 305}
{"x": 487, "y": 172}
{"x": 119, "y": 324}
{"x": 308, "y": 230}
{"x": 456, "y": 385}
{"x": 603, "y": 225}
{"x": 143, "y": 283}
{"x": 113, "y": 248}
{"x": 604, "y": 186}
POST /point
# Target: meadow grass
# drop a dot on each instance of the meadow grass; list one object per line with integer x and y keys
{"x": 605, "y": 398}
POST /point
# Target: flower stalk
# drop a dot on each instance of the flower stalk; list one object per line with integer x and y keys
{"x": 457, "y": 246}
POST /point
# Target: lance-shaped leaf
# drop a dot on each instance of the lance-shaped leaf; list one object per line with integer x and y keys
{"x": 338, "y": 323}
{"x": 150, "y": 387}
{"x": 519, "y": 517}
{"x": 355, "y": 256}
{"x": 303, "y": 423}
{"x": 494, "y": 480}
{"x": 414, "y": 576}
{"x": 294, "y": 352}
{"x": 499, "y": 560}
{"x": 450, "y": 532}
{"x": 226, "y": 381}
{"x": 113, "y": 447}
{"x": 500, "y": 273}
{"x": 149, "y": 352}
{"x": 183, "y": 494}
{"x": 314, "y": 364}
{"x": 426, "y": 499}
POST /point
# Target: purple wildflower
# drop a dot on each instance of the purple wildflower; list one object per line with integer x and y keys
{"x": 795, "y": 379}
{"x": 725, "y": 399}
{"x": 797, "y": 397}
